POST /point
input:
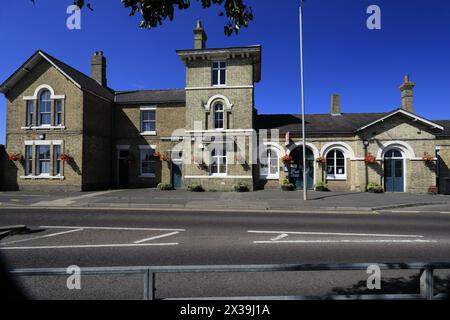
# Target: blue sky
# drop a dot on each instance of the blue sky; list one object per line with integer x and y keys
{"x": 341, "y": 55}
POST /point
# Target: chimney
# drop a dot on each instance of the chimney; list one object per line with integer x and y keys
{"x": 200, "y": 36}
{"x": 335, "y": 105}
{"x": 98, "y": 68}
{"x": 407, "y": 94}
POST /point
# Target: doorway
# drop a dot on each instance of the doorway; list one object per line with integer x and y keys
{"x": 122, "y": 168}
{"x": 296, "y": 170}
{"x": 394, "y": 171}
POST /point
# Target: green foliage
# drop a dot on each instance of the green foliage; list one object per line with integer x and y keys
{"x": 287, "y": 185}
{"x": 374, "y": 187}
{"x": 155, "y": 12}
{"x": 165, "y": 187}
{"x": 196, "y": 187}
{"x": 322, "y": 186}
{"x": 241, "y": 187}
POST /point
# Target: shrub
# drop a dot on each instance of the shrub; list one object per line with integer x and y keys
{"x": 241, "y": 187}
{"x": 322, "y": 186}
{"x": 374, "y": 187}
{"x": 196, "y": 187}
{"x": 165, "y": 187}
{"x": 433, "y": 190}
{"x": 286, "y": 185}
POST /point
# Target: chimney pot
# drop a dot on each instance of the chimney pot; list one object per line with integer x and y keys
{"x": 200, "y": 36}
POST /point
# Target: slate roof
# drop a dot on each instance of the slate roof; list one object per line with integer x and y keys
{"x": 446, "y": 125}
{"x": 317, "y": 123}
{"x": 151, "y": 96}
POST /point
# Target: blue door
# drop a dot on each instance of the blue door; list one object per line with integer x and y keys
{"x": 296, "y": 172}
{"x": 177, "y": 175}
{"x": 394, "y": 177}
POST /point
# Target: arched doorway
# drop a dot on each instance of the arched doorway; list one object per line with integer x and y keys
{"x": 394, "y": 171}
{"x": 296, "y": 170}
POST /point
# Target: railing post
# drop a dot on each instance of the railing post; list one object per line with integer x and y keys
{"x": 149, "y": 285}
{"x": 427, "y": 283}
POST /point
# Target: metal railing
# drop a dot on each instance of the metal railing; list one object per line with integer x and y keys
{"x": 426, "y": 274}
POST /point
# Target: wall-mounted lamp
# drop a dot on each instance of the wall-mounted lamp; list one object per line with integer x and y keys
{"x": 366, "y": 143}
{"x": 42, "y": 136}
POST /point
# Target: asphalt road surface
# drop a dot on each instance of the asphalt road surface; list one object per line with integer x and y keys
{"x": 104, "y": 238}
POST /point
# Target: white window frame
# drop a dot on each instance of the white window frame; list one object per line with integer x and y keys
{"x": 35, "y": 160}
{"x": 29, "y": 152}
{"x": 267, "y": 175}
{"x": 39, "y": 113}
{"x": 30, "y": 122}
{"x": 218, "y": 157}
{"x": 145, "y": 149}
{"x": 336, "y": 176}
{"x": 219, "y": 112}
{"x": 55, "y": 102}
{"x": 38, "y": 161}
{"x": 147, "y": 109}
{"x": 218, "y": 69}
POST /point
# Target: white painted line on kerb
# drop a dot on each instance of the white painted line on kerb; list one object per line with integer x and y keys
{"x": 157, "y": 237}
{"x": 112, "y": 228}
{"x": 43, "y": 237}
{"x": 90, "y": 246}
{"x": 338, "y": 234}
{"x": 281, "y": 236}
{"x": 345, "y": 241}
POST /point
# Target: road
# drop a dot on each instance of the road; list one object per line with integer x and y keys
{"x": 95, "y": 238}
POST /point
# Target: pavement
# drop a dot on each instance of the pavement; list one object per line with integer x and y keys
{"x": 94, "y": 237}
{"x": 272, "y": 200}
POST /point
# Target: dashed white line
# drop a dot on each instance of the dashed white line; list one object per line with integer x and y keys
{"x": 337, "y": 234}
{"x": 157, "y": 237}
{"x": 43, "y": 237}
{"x": 345, "y": 241}
{"x": 281, "y": 236}
{"x": 90, "y": 246}
{"x": 112, "y": 228}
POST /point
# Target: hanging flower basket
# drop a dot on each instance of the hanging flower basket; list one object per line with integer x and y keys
{"x": 287, "y": 159}
{"x": 428, "y": 158}
{"x": 238, "y": 158}
{"x": 370, "y": 159}
{"x": 161, "y": 157}
{"x": 15, "y": 157}
{"x": 197, "y": 160}
{"x": 65, "y": 157}
{"x": 321, "y": 160}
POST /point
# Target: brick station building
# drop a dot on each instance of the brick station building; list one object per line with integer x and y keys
{"x": 71, "y": 131}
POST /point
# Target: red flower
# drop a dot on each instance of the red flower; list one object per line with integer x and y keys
{"x": 370, "y": 159}
{"x": 321, "y": 160}
{"x": 287, "y": 159}
{"x": 64, "y": 157}
{"x": 427, "y": 157}
{"x": 15, "y": 157}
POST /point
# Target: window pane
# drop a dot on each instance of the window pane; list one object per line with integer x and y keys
{"x": 215, "y": 65}
{"x": 29, "y": 160}
{"x": 30, "y": 112}
{"x": 223, "y": 65}
{"x": 215, "y": 77}
{"x": 56, "y": 161}
{"x": 43, "y": 159}
{"x": 222, "y": 77}
{"x": 340, "y": 162}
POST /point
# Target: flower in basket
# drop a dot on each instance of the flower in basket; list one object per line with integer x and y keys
{"x": 15, "y": 157}
{"x": 427, "y": 157}
{"x": 321, "y": 160}
{"x": 287, "y": 159}
{"x": 370, "y": 159}
{"x": 197, "y": 160}
{"x": 238, "y": 158}
{"x": 164, "y": 157}
{"x": 64, "y": 157}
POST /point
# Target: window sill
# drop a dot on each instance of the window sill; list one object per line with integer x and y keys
{"x": 219, "y": 85}
{"x": 42, "y": 177}
{"x": 337, "y": 178}
{"x": 44, "y": 128}
{"x": 269, "y": 177}
{"x": 148, "y": 134}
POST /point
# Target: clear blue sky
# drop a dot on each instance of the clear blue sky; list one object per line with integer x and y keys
{"x": 341, "y": 54}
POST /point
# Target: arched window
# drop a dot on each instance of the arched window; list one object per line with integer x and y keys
{"x": 218, "y": 116}
{"x": 269, "y": 164}
{"x": 336, "y": 165}
{"x": 218, "y": 166}
{"x": 393, "y": 154}
{"x": 45, "y": 108}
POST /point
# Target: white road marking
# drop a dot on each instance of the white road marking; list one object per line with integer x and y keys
{"x": 338, "y": 234}
{"x": 71, "y": 200}
{"x": 43, "y": 237}
{"x": 112, "y": 228}
{"x": 281, "y": 236}
{"x": 90, "y": 246}
{"x": 156, "y": 237}
{"x": 345, "y": 241}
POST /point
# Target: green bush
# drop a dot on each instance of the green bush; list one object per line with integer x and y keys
{"x": 196, "y": 187}
{"x": 322, "y": 186}
{"x": 241, "y": 187}
{"x": 374, "y": 187}
{"x": 286, "y": 185}
{"x": 165, "y": 187}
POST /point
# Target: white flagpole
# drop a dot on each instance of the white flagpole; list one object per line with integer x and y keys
{"x": 305, "y": 183}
